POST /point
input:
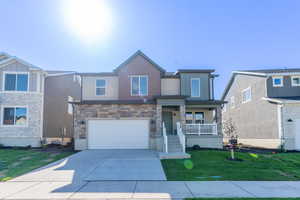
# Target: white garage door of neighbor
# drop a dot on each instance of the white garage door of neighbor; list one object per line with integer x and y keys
{"x": 118, "y": 134}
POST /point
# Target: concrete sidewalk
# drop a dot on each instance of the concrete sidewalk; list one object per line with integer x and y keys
{"x": 147, "y": 189}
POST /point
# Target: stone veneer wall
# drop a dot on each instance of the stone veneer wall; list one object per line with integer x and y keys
{"x": 23, "y": 136}
{"x": 82, "y": 112}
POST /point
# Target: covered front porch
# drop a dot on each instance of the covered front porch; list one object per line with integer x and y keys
{"x": 183, "y": 123}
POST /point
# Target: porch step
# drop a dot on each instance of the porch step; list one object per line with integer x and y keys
{"x": 179, "y": 155}
{"x": 174, "y": 145}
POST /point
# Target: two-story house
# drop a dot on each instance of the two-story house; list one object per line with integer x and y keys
{"x": 140, "y": 105}
{"x": 264, "y": 105}
{"x": 21, "y": 102}
{"x": 34, "y": 103}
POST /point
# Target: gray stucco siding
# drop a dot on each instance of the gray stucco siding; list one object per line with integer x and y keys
{"x": 185, "y": 85}
{"x": 32, "y": 133}
{"x": 256, "y": 119}
{"x": 287, "y": 90}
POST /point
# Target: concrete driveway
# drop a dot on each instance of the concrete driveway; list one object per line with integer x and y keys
{"x": 101, "y": 165}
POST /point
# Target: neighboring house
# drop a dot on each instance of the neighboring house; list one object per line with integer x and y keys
{"x": 21, "y": 102}
{"x": 140, "y": 105}
{"x": 61, "y": 87}
{"x": 265, "y": 107}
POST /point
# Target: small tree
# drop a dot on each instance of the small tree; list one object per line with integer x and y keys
{"x": 229, "y": 130}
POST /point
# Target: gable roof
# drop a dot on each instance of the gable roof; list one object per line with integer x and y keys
{"x": 139, "y": 53}
{"x": 233, "y": 75}
{"x": 10, "y": 59}
{"x": 258, "y": 72}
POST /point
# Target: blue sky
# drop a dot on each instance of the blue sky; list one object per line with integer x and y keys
{"x": 224, "y": 35}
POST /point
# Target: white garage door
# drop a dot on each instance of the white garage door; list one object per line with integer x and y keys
{"x": 118, "y": 134}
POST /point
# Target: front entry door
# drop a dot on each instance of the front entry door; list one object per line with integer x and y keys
{"x": 168, "y": 120}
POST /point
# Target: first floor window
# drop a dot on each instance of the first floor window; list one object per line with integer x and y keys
{"x": 100, "y": 87}
{"x": 16, "y": 82}
{"x": 246, "y": 95}
{"x": 295, "y": 80}
{"x": 188, "y": 117}
{"x": 14, "y": 116}
{"x": 194, "y": 117}
{"x": 199, "y": 118}
{"x": 139, "y": 85}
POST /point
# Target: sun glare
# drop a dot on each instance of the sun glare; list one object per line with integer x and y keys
{"x": 90, "y": 19}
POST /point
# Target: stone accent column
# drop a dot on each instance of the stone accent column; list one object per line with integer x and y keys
{"x": 159, "y": 120}
{"x": 219, "y": 119}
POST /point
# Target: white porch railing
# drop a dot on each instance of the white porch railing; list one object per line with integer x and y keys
{"x": 201, "y": 129}
{"x": 165, "y": 138}
{"x": 181, "y": 136}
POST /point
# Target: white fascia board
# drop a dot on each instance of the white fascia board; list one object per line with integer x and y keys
{"x": 249, "y": 73}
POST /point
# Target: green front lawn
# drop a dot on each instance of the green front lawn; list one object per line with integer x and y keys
{"x": 243, "y": 199}
{"x": 14, "y": 162}
{"x": 208, "y": 165}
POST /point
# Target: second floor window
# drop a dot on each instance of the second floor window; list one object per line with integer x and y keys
{"x": 295, "y": 80}
{"x": 100, "y": 87}
{"x": 246, "y": 95}
{"x": 139, "y": 85}
{"x": 277, "y": 81}
{"x": 16, "y": 82}
{"x": 195, "y": 87}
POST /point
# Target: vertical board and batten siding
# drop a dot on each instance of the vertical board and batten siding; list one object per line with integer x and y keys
{"x": 34, "y": 76}
{"x": 89, "y": 88}
{"x": 287, "y": 90}
{"x": 204, "y": 85}
{"x": 170, "y": 86}
{"x": 56, "y": 116}
{"x": 139, "y": 66}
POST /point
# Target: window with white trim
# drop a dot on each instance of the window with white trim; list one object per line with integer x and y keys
{"x": 199, "y": 117}
{"x": 295, "y": 80}
{"x": 195, "y": 87}
{"x": 14, "y": 116}
{"x": 277, "y": 81}
{"x": 16, "y": 82}
{"x": 188, "y": 117}
{"x": 100, "y": 87}
{"x": 246, "y": 95}
{"x": 139, "y": 85}
{"x": 232, "y": 102}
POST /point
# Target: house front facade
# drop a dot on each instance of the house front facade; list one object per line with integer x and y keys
{"x": 21, "y": 102}
{"x": 264, "y": 105}
{"x": 140, "y": 105}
